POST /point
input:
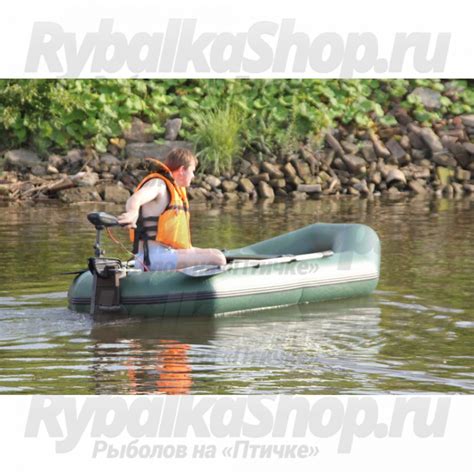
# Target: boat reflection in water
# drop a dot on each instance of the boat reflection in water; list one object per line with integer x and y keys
{"x": 247, "y": 353}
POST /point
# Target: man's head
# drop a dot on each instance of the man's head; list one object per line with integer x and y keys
{"x": 182, "y": 164}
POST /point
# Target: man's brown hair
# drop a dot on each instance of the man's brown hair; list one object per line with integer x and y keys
{"x": 180, "y": 157}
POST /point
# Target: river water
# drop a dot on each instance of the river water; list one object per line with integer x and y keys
{"x": 414, "y": 334}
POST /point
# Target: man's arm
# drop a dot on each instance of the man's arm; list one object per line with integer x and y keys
{"x": 150, "y": 190}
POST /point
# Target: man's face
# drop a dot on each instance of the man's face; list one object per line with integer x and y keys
{"x": 184, "y": 175}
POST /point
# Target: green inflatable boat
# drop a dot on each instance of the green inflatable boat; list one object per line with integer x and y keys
{"x": 319, "y": 262}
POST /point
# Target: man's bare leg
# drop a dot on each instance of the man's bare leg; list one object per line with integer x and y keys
{"x": 197, "y": 256}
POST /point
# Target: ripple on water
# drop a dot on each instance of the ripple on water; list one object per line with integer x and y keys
{"x": 464, "y": 324}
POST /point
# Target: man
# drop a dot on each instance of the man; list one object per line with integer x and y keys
{"x": 158, "y": 215}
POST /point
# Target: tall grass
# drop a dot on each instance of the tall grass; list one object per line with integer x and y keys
{"x": 217, "y": 136}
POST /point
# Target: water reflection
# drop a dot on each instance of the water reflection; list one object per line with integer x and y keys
{"x": 157, "y": 356}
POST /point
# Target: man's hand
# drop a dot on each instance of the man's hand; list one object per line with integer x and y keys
{"x": 128, "y": 219}
{"x": 150, "y": 190}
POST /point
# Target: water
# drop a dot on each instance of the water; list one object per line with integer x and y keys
{"x": 414, "y": 334}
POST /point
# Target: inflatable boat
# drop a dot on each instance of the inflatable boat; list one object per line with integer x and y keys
{"x": 320, "y": 262}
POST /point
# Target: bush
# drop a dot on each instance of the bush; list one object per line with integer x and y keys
{"x": 218, "y": 139}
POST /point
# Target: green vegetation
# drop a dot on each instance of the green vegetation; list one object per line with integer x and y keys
{"x": 218, "y": 138}
{"x": 223, "y": 117}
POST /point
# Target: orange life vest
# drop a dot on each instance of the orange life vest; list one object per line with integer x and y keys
{"x": 171, "y": 227}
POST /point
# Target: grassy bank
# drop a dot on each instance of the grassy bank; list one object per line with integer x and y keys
{"x": 224, "y": 118}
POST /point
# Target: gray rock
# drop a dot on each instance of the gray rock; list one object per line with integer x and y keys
{"x": 335, "y": 145}
{"x": 444, "y": 158}
{"x": 395, "y": 175}
{"x": 428, "y": 97}
{"x": 402, "y": 116}
{"x": 107, "y": 176}
{"x": 355, "y": 164}
{"x": 469, "y": 148}
{"x": 469, "y": 188}
{"x": 419, "y": 155}
{"x": 197, "y": 194}
{"x": 294, "y": 181}
{"x": 74, "y": 195}
{"x": 265, "y": 191}
{"x": 449, "y": 142}
{"x": 273, "y": 171}
{"x": 154, "y": 150}
{"x": 277, "y": 183}
{"x": 431, "y": 139}
{"x": 462, "y": 175}
{"x": 338, "y": 163}
{"x": 109, "y": 160}
{"x": 244, "y": 166}
{"x": 172, "y": 128}
{"x": 253, "y": 170}
{"x": 213, "y": 181}
{"x": 376, "y": 177}
{"x": 229, "y": 186}
{"x": 138, "y": 131}
{"x": 75, "y": 158}
{"x": 309, "y": 188}
{"x": 312, "y": 161}
{"x": 21, "y": 160}
{"x": 468, "y": 120}
{"x": 420, "y": 172}
{"x": 246, "y": 185}
{"x": 85, "y": 179}
{"x": 405, "y": 142}
{"x": 115, "y": 193}
{"x": 303, "y": 169}
{"x": 368, "y": 152}
{"x": 39, "y": 170}
{"x": 460, "y": 154}
{"x": 417, "y": 186}
{"x": 56, "y": 161}
{"x": 260, "y": 177}
{"x": 334, "y": 186}
{"x": 349, "y": 147}
{"x": 289, "y": 170}
{"x": 455, "y": 133}
{"x": 415, "y": 140}
{"x": 324, "y": 177}
{"x": 115, "y": 170}
{"x": 380, "y": 148}
{"x": 398, "y": 153}
{"x": 52, "y": 170}
{"x": 362, "y": 187}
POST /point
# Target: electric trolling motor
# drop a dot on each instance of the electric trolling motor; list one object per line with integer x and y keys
{"x": 107, "y": 272}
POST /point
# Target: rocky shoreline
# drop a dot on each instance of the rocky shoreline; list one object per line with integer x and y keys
{"x": 406, "y": 159}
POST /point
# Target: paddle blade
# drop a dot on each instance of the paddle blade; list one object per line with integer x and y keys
{"x": 198, "y": 271}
